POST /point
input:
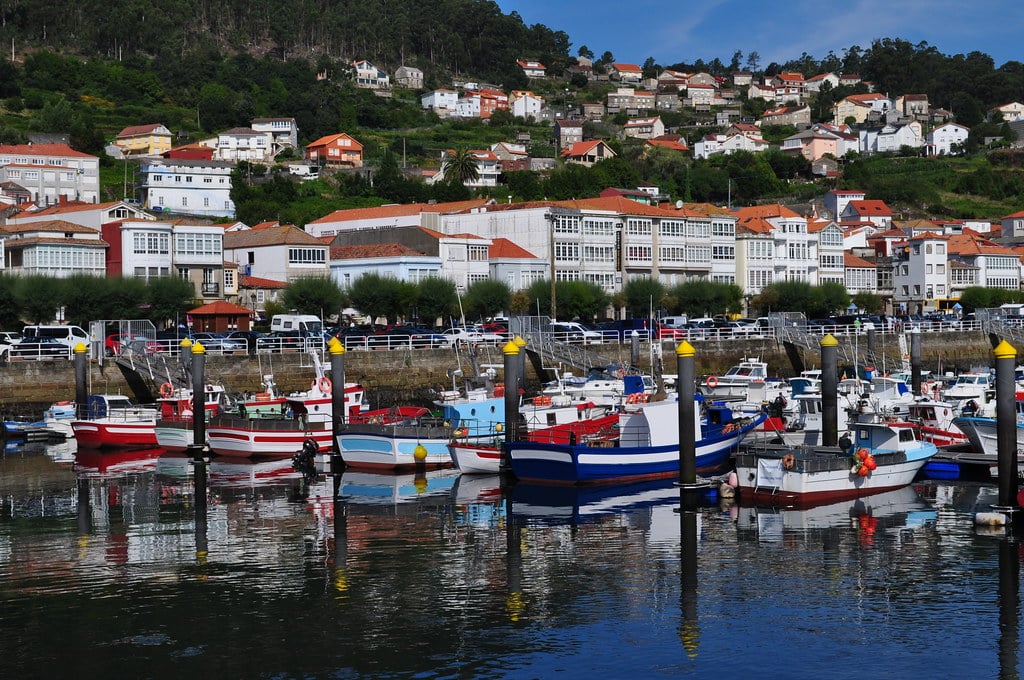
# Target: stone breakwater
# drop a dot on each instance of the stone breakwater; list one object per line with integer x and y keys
{"x": 401, "y": 376}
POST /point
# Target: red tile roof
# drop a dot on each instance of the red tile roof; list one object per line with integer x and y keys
{"x": 502, "y": 248}
{"x": 246, "y": 281}
{"x": 43, "y": 150}
{"x": 372, "y": 250}
{"x": 220, "y": 308}
{"x": 135, "y": 130}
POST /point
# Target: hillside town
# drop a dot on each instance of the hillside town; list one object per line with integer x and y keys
{"x": 180, "y": 219}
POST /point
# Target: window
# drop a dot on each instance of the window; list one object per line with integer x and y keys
{"x": 150, "y": 243}
{"x": 567, "y": 252}
{"x": 723, "y": 253}
{"x": 567, "y": 224}
{"x": 184, "y": 201}
{"x": 598, "y": 253}
{"x": 229, "y": 279}
{"x": 306, "y": 256}
{"x": 672, "y": 228}
{"x": 478, "y": 254}
{"x": 598, "y": 227}
{"x": 638, "y": 227}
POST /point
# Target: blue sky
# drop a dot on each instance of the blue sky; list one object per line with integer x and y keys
{"x": 673, "y": 31}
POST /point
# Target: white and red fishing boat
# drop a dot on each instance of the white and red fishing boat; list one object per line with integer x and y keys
{"x": 174, "y": 429}
{"x": 934, "y": 422}
{"x": 281, "y": 429}
{"x": 113, "y": 420}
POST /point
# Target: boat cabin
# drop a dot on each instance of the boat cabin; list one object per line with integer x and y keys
{"x": 883, "y": 438}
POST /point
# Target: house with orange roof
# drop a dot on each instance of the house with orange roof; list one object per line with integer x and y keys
{"x": 874, "y": 211}
{"x": 627, "y": 73}
{"x": 773, "y": 243}
{"x": 860, "y": 276}
{"x": 787, "y": 115}
{"x": 1013, "y": 225}
{"x": 515, "y": 265}
{"x": 282, "y": 253}
{"x": 51, "y": 171}
{"x": 152, "y": 139}
{"x": 335, "y": 151}
{"x": 92, "y": 215}
{"x": 921, "y": 274}
{"x": 671, "y": 142}
{"x": 857, "y": 107}
{"x": 998, "y": 266}
{"x": 532, "y": 68}
{"x": 151, "y": 249}
{"x": 717, "y": 143}
{"x": 220, "y": 316}
{"x": 831, "y": 246}
{"x": 525, "y": 104}
{"x": 644, "y": 128}
{"x": 54, "y": 247}
{"x": 587, "y": 153}
{"x": 815, "y": 82}
{"x": 410, "y": 254}
{"x": 255, "y": 292}
{"x": 1009, "y": 112}
{"x": 191, "y": 152}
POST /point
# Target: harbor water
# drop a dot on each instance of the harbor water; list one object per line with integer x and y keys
{"x": 111, "y": 567}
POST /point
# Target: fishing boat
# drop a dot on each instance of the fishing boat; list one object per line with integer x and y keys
{"x": 646, "y": 447}
{"x": 113, "y": 420}
{"x": 59, "y": 416}
{"x": 982, "y": 432}
{"x": 608, "y": 386}
{"x": 881, "y": 457}
{"x": 973, "y": 393}
{"x": 484, "y": 457}
{"x": 934, "y": 422}
{"x": 407, "y": 438}
{"x": 279, "y": 426}
{"x": 174, "y": 430}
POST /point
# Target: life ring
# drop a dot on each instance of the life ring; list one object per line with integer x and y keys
{"x": 325, "y": 384}
{"x": 711, "y": 382}
{"x": 166, "y": 390}
{"x": 789, "y": 461}
{"x": 263, "y": 396}
{"x": 731, "y": 427}
{"x": 637, "y": 398}
{"x": 542, "y": 400}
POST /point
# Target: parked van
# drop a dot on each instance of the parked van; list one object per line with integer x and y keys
{"x": 307, "y": 325}
{"x": 68, "y": 335}
{"x": 675, "y": 321}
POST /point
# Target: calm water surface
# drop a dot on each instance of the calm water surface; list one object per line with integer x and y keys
{"x": 107, "y": 570}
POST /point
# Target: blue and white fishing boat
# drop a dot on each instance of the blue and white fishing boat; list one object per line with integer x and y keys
{"x": 647, "y": 447}
{"x": 407, "y": 438}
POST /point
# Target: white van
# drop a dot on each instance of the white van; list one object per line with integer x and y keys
{"x": 675, "y": 321}
{"x": 68, "y": 335}
{"x": 307, "y": 325}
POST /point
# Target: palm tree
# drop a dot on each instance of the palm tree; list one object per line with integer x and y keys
{"x": 460, "y": 165}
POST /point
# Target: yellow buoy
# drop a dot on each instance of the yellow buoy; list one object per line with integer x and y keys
{"x": 420, "y": 453}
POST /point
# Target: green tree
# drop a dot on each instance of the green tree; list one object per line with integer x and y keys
{"x": 38, "y": 297}
{"x": 643, "y": 297}
{"x": 869, "y": 303}
{"x": 381, "y": 296}
{"x": 10, "y": 310}
{"x": 486, "y": 298}
{"x": 319, "y": 295}
{"x": 460, "y": 166}
{"x": 86, "y": 298}
{"x": 705, "y": 298}
{"x": 436, "y": 299}
{"x": 833, "y": 298}
{"x": 791, "y": 296}
{"x": 169, "y": 298}
{"x": 580, "y": 300}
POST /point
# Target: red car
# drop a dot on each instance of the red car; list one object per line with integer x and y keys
{"x": 116, "y": 344}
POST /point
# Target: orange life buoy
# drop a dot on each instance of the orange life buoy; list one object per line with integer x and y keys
{"x": 636, "y": 398}
{"x": 166, "y": 390}
{"x": 263, "y": 396}
{"x": 711, "y": 382}
{"x": 730, "y": 427}
{"x": 789, "y": 461}
{"x": 542, "y": 400}
{"x": 325, "y": 384}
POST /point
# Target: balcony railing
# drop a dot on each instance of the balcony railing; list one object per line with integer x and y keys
{"x": 210, "y": 289}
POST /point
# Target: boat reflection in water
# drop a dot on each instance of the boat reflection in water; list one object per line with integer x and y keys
{"x": 372, "y": 488}
{"x": 110, "y": 461}
{"x": 890, "y": 512}
{"x": 559, "y": 504}
{"x": 249, "y": 472}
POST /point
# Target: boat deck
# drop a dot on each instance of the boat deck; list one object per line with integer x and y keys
{"x": 811, "y": 458}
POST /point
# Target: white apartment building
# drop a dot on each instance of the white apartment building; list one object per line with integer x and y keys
{"x": 920, "y": 274}
{"x": 50, "y": 172}
{"x": 774, "y": 244}
{"x": 190, "y": 187}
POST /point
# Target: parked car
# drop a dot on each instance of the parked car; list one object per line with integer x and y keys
{"x": 116, "y": 344}
{"x": 571, "y": 332}
{"x": 250, "y": 338}
{"x": 407, "y": 336}
{"x": 40, "y": 346}
{"x": 281, "y": 341}
{"x": 466, "y": 336}
{"x": 218, "y": 344}
{"x": 7, "y": 339}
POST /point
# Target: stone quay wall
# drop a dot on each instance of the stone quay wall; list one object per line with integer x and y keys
{"x": 403, "y": 376}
